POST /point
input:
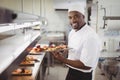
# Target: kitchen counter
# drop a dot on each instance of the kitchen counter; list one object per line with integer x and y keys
{"x": 111, "y": 67}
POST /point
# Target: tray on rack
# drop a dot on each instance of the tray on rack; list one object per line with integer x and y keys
{"x": 27, "y": 63}
{"x": 32, "y": 58}
{"x": 22, "y": 72}
{"x": 35, "y": 53}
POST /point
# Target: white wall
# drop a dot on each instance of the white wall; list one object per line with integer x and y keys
{"x": 28, "y": 5}
{"x": 57, "y": 20}
{"x": 11, "y": 4}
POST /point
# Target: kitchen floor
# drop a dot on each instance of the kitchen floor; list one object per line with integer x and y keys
{"x": 58, "y": 72}
{"x": 99, "y": 75}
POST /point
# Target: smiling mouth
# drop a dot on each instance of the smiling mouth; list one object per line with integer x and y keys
{"x": 74, "y": 24}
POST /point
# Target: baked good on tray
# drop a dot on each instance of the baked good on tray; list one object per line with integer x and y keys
{"x": 22, "y": 72}
{"x": 27, "y": 63}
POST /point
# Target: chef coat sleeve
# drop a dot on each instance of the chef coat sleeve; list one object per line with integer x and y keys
{"x": 90, "y": 52}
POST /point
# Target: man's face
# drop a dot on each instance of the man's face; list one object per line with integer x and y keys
{"x": 76, "y": 19}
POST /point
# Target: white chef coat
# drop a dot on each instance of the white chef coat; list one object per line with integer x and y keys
{"x": 86, "y": 47}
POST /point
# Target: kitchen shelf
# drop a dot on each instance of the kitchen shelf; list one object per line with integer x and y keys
{"x": 16, "y": 40}
{"x": 6, "y": 27}
{"x": 13, "y": 26}
{"x": 12, "y": 47}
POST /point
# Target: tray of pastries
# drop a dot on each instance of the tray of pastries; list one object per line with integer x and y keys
{"x": 22, "y": 72}
{"x": 38, "y": 49}
{"x": 31, "y": 58}
{"x": 58, "y": 48}
{"x": 35, "y": 51}
{"x": 27, "y": 63}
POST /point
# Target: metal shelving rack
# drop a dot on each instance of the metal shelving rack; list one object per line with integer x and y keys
{"x": 14, "y": 49}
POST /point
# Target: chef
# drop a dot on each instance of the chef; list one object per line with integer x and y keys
{"x": 86, "y": 46}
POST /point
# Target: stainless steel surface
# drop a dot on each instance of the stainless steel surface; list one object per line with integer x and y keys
{"x": 111, "y": 17}
{"x": 12, "y": 47}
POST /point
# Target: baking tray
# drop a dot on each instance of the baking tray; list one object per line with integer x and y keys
{"x": 37, "y": 53}
{"x": 28, "y": 64}
{"x": 29, "y": 73}
{"x": 48, "y": 51}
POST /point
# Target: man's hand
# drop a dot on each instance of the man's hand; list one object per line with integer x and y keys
{"x": 58, "y": 55}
